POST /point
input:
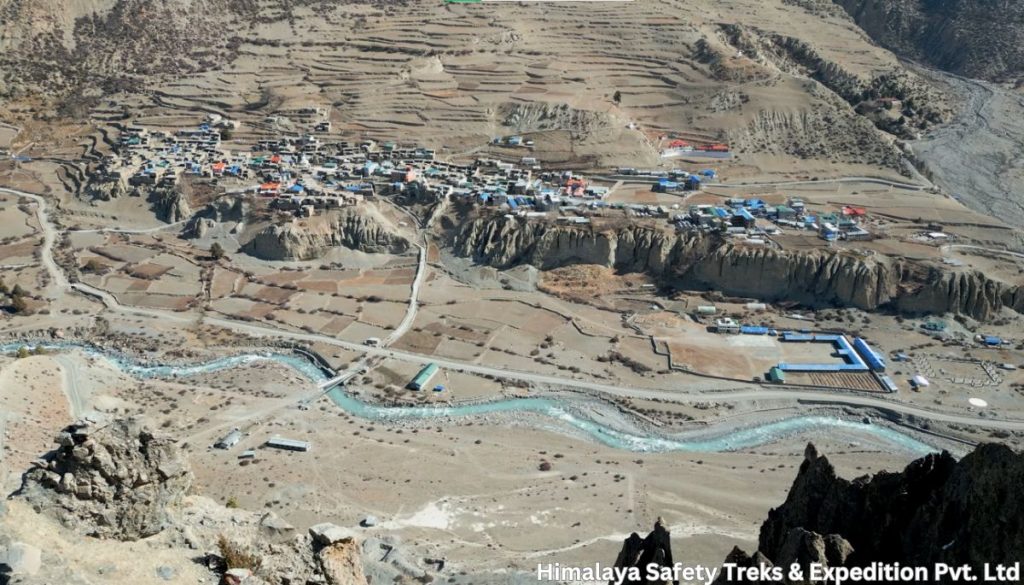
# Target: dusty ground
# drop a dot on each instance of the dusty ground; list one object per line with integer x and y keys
{"x": 478, "y": 515}
{"x": 454, "y": 77}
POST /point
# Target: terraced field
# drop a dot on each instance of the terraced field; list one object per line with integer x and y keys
{"x": 454, "y": 76}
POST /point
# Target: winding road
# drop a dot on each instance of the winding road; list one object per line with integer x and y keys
{"x": 57, "y": 278}
{"x": 711, "y": 390}
{"x": 410, "y": 313}
{"x": 717, "y": 391}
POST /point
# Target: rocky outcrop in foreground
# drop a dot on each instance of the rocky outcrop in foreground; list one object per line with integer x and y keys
{"x": 937, "y": 510}
{"x": 695, "y": 260}
{"x": 117, "y": 480}
{"x": 350, "y": 228}
{"x": 640, "y": 553}
{"x": 113, "y": 480}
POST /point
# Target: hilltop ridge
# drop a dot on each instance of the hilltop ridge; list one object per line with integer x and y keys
{"x": 982, "y": 39}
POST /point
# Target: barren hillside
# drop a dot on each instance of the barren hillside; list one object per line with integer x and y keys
{"x": 453, "y": 75}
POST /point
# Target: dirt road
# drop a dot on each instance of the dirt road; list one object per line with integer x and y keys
{"x": 693, "y": 392}
{"x": 69, "y": 371}
{"x": 58, "y": 282}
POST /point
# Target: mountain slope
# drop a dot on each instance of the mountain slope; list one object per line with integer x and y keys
{"x": 976, "y": 38}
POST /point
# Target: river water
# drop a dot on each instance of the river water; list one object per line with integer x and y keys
{"x": 558, "y": 410}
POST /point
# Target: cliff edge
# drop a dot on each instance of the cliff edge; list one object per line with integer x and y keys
{"x": 697, "y": 260}
{"x": 356, "y": 229}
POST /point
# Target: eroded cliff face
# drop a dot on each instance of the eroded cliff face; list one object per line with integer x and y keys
{"x": 105, "y": 187}
{"x": 169, "y": 203}
{"x": 307, "y": 241}
{"x": 219, "y": 211}
{"x": 696, "y": 260}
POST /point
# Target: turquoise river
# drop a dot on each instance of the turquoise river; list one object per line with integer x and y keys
{"x": 556, "y": 409}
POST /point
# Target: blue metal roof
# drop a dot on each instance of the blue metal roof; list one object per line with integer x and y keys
{"x": 872, "y": 357}
{"x": 744, "y": 214}
{"x": 794, "y": 336}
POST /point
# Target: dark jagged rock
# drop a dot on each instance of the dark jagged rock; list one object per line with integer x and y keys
{"x": 937, "y": 510}
{"x": 113, "y": 480}
{"x": 655, "y": 548}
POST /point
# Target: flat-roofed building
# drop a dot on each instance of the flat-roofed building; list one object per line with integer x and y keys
{"x": 288, "y": 444}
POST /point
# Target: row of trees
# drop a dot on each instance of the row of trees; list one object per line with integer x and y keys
{"x": 24, "y": 351}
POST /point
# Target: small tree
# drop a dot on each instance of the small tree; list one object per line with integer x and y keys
{"x": 235, "y": 556}
{"x": 18, "y": 304}
{"x": 217, "y": 251}
{"x": 94, "y": 266}
{"x": 23, "y": 352}
{"x": 617, "y": 97}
